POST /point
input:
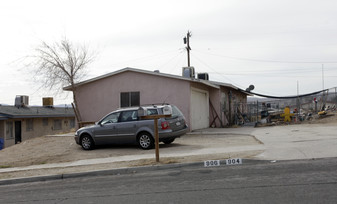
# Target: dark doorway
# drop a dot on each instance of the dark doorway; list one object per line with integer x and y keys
{"x": 17, "y": 132}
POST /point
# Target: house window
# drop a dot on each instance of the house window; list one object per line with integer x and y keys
{"x": 45, "y": 121}
{"x": 9, "y": 130}
{"x": 129, "y": 99}
{"x": 29, "y": 125}
{"x": 72, "y": 123}
{"x": 57, "y": 124}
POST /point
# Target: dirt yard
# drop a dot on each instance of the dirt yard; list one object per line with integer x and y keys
{"x": 60, "y": 149}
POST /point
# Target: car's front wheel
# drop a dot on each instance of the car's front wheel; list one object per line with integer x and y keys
{"x": 145, "y": 140}
{"x": 87, "y": 142}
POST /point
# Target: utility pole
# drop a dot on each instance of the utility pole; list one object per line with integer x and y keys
{"x": 188, "y": 48}
{"x": 298, "y": 104}
{"x": 323, "y": 77}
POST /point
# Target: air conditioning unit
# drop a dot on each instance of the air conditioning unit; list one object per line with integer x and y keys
{"x": 203, "y": 76}
{"x": 188, "y": 72}
{"x": 48, "y": 101}
{"x": 21, "y": 101}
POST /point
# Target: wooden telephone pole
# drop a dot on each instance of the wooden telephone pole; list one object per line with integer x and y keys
{"x": 188, "y": 48}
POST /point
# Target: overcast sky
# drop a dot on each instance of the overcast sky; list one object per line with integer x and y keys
{"x": 272, "y": 44}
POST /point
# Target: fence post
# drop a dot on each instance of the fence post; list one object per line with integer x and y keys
{"x": 257, "y": 111}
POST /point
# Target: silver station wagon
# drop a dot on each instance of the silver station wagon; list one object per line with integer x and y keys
{"x": 124, "y": 126}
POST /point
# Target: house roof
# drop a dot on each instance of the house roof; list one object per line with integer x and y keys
{"x": 8, "y": 112}
{"x": 128, "y": 69}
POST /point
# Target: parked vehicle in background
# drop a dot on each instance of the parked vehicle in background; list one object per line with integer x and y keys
{"x": 124, "y": 126}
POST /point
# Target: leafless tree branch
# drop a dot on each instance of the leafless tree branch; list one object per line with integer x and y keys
{"x": 61, "y": 64}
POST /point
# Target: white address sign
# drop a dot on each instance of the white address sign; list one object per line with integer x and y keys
{"x": 212, "y": 163}
{"x": 233, "y": 161}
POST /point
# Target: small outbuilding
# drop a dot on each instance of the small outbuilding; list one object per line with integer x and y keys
{"x": 22, "y": 122}
{"x": 204, "y": 103}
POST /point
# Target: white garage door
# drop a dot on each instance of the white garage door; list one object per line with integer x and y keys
{"x": 199, "y": 109}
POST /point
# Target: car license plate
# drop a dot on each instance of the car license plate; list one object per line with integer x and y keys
{"x": 178, "y": 123}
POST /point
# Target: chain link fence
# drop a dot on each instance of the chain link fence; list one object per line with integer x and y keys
{"x": 269, "y": 110}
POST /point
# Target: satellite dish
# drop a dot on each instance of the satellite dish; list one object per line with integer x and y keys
{"x": 251, "y": 87}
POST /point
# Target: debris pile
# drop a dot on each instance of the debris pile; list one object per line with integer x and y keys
{"x": 272, "y": 118}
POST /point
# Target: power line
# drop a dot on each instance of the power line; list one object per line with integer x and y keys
{"x": 179, "y": 60}
{"x": 179, "y": 54}
{"x": 216, "y": 71}
{"x": 269, "y": 61}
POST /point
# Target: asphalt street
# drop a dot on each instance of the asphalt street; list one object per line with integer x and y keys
{"x": 296, "y": 181}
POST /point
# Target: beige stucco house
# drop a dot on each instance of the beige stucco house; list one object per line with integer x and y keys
{"x": 204, "y": 103}
{"x": 19, "y": 123}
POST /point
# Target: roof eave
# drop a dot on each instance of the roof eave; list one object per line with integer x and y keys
{"x": 208, "y": 83}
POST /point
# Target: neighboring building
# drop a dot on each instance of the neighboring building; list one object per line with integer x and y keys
{"x": 204, "y": 103}
{"x": 19, "y": 123}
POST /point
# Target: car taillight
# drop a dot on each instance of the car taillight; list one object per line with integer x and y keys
{"x": 165, "y": 125}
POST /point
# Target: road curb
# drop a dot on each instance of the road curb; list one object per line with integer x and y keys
{"x": 127, "y": 170}
{"x": 218, "y": 133}
{"x": 109, "y": 172}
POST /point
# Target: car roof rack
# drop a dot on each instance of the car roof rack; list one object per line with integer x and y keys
{"x": 155, "y": 104}
{"x": 152, "y": 104}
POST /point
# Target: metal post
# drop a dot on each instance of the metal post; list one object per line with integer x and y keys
{"x": 257, "y": 111}
{"x": 156, "y": 138}
{"x": 230, "y": 107}
{"x": 156, "y": 134}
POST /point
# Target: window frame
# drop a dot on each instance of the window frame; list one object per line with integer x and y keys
{"x": 45, "y": 122}
{"x": 129, "y": 99}
{"x": 57, "y": 124}
{"x": 9, "y": 130}
{"x": 29, "y": 124}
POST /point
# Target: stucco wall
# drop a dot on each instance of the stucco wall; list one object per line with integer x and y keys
{"x": 40, "y": 129}
{"x": 100, "y": 97}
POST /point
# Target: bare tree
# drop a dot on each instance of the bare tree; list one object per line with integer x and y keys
{"x": 62, "y": 64}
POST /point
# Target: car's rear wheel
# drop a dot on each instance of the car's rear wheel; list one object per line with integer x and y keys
{"x": 145, "y": 140}
{"x": 168, "y": 141}
{"x": 87, "y": 142}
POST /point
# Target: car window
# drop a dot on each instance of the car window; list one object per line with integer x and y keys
{"x": 152, "y": 112}
{"x": 112, "y": 118}
{"x": 129, "y": 116}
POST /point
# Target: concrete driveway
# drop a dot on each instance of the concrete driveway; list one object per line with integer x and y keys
{"x": 288, "y": 142}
